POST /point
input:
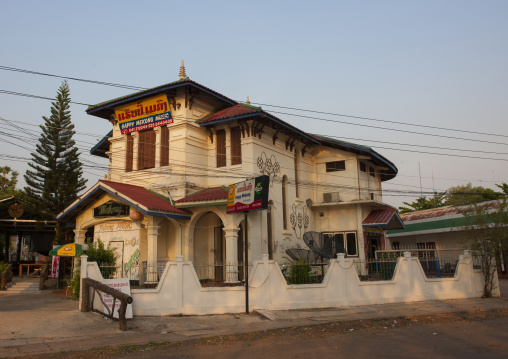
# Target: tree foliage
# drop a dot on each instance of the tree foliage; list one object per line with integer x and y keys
{"x": 8, "y": 181}
{"x": 504, "y": 187}
{"x": 55, "y": 175}
{"x": 463, "y": 195}
{"x": 486, "y": 230}
{"x": 423, "y": 202}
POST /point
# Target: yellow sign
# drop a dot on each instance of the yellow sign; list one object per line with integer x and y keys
{"x": 143, "y": 115}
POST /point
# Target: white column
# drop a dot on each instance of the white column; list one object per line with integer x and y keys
{"x": 152, "y": 234}
{"x": 157, "y": 146}
{"x": 79, "y": 236}
{"x": 231, "y": 254}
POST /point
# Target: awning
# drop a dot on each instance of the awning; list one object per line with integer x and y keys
{"x": 384, "y": 218}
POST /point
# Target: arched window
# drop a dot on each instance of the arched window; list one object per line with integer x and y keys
{"x": 285, "y": 201}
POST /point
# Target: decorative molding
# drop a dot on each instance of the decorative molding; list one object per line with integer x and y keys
{"x": 268, "y": 166}
{"x": 299, "y": 219}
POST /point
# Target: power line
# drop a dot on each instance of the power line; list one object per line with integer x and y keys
{"x": 252, "y": 160}
{"x": 379, "y": 120}
{"x": 314, "y": 118}
{"x": 39, "y": 97}
{"x": 72, "y": 78}
{"x": 139, "y": 88}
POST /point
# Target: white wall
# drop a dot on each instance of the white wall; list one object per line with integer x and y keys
{"x": 179, "y": 290}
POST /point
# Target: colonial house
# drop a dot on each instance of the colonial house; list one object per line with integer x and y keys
{"x": 174, "y": 150}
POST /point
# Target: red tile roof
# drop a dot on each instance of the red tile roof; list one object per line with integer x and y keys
{"x": 144, "y": 197}
{"x": 210, "y": 194}
{"x": 237, "y": 110}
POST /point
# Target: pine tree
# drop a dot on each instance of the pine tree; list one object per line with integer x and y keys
{"x": 56, "y": 176}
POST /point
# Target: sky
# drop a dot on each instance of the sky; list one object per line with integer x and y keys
{"x": 424, "y": 83}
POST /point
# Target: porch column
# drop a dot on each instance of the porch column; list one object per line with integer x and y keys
{"x": 152, "y": 233}
{"x": 79, "y": 236}
{"x": 157, "y": 146}
{"x": 231, "y": 255}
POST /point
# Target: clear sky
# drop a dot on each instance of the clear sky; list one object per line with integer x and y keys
{"x": 434, "y": 63}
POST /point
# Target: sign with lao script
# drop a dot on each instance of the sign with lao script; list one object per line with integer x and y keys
{"x": 121, "y": 284}
{"x": 111, "y": 209}
{"x": 248, "y": 195}
{"x": 143, "y": 115}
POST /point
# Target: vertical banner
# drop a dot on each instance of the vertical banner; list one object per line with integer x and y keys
{"x": 55, "y": 266}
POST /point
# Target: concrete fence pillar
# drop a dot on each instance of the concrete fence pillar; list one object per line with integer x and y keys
{"x": 179, "y": 282}
{"x": 266, "y": 287}
{"x": 83, "y": 274}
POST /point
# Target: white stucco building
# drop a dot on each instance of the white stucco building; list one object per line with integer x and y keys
{"x": 174, "y": 149}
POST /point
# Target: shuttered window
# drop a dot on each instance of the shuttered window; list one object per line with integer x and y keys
{"x": 146, "y": 150}
{"x": 221, "y": 148}
{"x": 236, "y": 146}
{"x": 129, "y": 155}
{"x": 164, "y": 146}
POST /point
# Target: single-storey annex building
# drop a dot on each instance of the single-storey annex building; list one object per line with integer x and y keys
{"x": 173, "y": 151}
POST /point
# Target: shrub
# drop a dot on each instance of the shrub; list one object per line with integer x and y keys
{"x": 299, "y": 272}
{"x": 96, "y": 253}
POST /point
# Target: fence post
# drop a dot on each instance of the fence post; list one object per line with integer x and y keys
{"x": 83, "y": 274}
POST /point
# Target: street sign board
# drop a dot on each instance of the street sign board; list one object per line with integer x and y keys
{"x": 248, "y": 195}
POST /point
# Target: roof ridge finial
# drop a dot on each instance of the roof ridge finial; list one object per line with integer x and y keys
{"x": 248, "y": 101}
{"x": 182, "y": 73}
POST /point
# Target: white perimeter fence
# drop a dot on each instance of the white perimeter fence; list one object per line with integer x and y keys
{"x": 179, "y": 290}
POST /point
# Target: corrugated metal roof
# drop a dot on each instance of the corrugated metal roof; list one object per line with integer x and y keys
{"x": 386, "y": 218}
{"x": 443, "y": 211}
{"x": 210, "y": 194}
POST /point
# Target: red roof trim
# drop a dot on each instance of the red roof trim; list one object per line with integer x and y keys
{"x": 144, "y": 197}
{"x": 237, "y": 110}
{"x": 210, "y": 194}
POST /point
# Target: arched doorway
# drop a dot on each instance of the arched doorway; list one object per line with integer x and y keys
{"x": 209, "y": 248}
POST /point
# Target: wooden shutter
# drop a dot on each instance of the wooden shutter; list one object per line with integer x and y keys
{"x": 221, "y": 148}
{"x": 164, "y": 146}
{"x": 129, "y": 155}
{"x": 236, "y": 146}
{"x": 146, "y": 150}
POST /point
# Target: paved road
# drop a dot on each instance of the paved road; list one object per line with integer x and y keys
{"x": 49, "y": 323}
{"x": 440, "y": 337}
